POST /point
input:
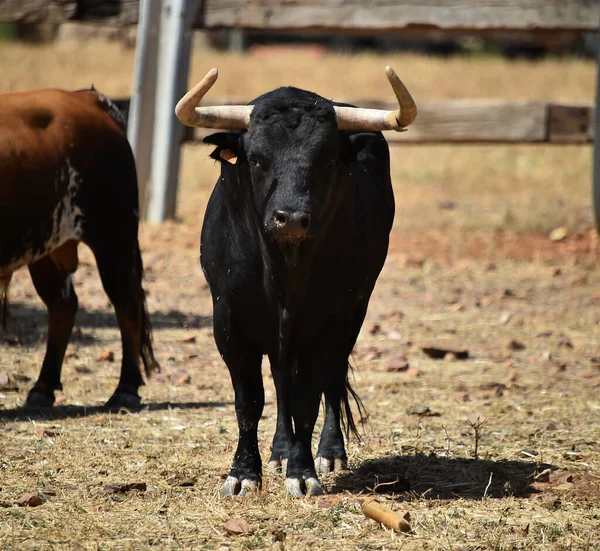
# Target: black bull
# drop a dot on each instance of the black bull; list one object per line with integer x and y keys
{"x": 295, "y": 235}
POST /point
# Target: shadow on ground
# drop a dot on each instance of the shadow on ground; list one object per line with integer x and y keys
{"x": 69, "y": 412}
{"x": 431, "y": 477}
{"x": 27, "y": 323}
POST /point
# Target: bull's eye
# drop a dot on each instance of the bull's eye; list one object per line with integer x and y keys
{"x": 253, "y": 160}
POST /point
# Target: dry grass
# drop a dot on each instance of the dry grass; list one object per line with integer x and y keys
{"x": 472, "y": 276}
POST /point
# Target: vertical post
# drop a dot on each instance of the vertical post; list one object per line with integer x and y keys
{"x": 236, "y": 41}
{"x": 176, "y": 21}
{"x": 141, "y": 109}
{"x": 596, "y": 158}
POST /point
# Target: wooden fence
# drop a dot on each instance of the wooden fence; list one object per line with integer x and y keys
{"x": 164, "y": 43}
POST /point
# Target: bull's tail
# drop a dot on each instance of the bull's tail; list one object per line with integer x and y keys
{"x": 4, "y": 306}
{"x": 347, "y": 418}
{"x": 146, "y": 350}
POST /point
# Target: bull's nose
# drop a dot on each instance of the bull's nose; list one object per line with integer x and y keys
{"x": 291, "y": 224}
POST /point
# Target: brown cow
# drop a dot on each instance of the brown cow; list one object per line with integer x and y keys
{"x": 67, "y": 175}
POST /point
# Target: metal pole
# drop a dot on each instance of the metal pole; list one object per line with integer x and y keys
{"x": 141, "y": 109}
{"x": 177, "y": 17}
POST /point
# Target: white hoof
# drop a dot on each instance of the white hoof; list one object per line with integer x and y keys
{"x": 231, "y": 487}
{"x": 249, "y": 487}
{"x": 313, "y": 487}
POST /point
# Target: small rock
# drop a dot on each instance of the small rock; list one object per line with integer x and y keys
{"x": 375, "y": 329}
{"x": 106, "y": 356}
{"x": 558, "y": 234}
{"x": 48, "y": 433}
{"x": 450, "y": 357}
{"x": 327, "y": 502}
{"x": 397, "y": 365}
{"x": 515, "y": 345}
{"x": 8, "y": 382}
{"x": 190, "y": 339}
{"x": 414, "y": 372}
{"x": 184, "y": 379}
{"x": 237, "y": 526}
{"x": 372, "y": 354}
{"x": 82, "y": 369}
{"x": 439, "y": 352}
{"x": 29, "y": 500}
{"x": 421, "y": 410}
{"x": 161, "y": 378}
{"x": 504, "y": 318}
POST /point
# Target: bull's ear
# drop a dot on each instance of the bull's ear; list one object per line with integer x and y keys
{"x": 227, "y": 149}
{"x": 360, "y": 143}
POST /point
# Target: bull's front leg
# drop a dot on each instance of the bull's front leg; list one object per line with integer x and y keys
{"x": 244, "y": 363}
{"x": 301, "y": 478}
{"x": 283, "y": 440}
{"x": 245, "y": 474}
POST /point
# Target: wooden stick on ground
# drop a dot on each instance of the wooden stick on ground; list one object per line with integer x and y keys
{"x": 380, "y": 513}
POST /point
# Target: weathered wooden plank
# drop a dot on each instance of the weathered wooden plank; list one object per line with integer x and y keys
{"x": 336, "y": 15}
{"x": 28, "y": 11}
{"x": 385, "y": 15}
{"x": 471, "y": 121}
{"x": 570, "y": 123}
{"x": 486, "y": 122}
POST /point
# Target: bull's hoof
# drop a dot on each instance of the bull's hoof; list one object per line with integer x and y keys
{"x": 122, "y": 399}
{"x": 326, "y": 465}
{"x": 234, "y": 487}
{"x": 38, "y": 399}
{"x": 300, "y": 487}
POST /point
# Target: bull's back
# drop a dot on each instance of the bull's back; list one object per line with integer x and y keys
{"x": 52, "y": 142}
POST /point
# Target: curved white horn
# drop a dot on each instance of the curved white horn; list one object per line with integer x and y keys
{"x": 356, "y": 118}
{"x": 218, "y": 116}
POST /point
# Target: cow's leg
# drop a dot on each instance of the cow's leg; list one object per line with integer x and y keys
{"x": 120, "y": 266}
{"x": 283, "y": 440}
{"x": 51, "y": 276}
{"x": 301, "y": 477}
{"x": 244, "y": 363}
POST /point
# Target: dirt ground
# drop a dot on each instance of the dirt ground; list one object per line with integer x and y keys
{"x": 497, "y": 450}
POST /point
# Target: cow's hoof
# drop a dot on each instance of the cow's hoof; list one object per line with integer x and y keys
{"x": 124, "y": 399}
{"x": 277, "y": 466}
{"x": 299, "y": 487}
{"x": 324, "y": 465}
{"x": 38, "y": 399}
{"x": 234, "y": 487}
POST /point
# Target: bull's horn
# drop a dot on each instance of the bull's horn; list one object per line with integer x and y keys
{"x": 356, "y": 118}
{"x": 218, "y": 116}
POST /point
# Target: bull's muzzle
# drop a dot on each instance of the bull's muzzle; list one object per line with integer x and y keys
{"x": 290, "y": 226}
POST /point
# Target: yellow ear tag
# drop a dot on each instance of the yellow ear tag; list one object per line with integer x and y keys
{"x": 228, "y": 155}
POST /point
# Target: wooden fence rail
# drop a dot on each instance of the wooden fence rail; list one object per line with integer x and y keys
{"x": 466, "y": 121}
{"x": 334, "y": 16}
